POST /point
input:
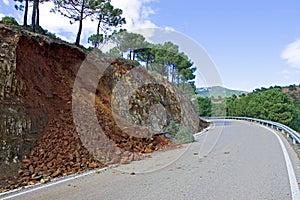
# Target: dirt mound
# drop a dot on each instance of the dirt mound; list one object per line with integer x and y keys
{"x": 39, "y": 136}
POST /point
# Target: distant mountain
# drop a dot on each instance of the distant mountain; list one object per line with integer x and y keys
{"x": 218, "y": 91}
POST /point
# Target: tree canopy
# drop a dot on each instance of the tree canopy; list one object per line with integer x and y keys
{"x": 165, "y": 59}
{"x": 265, "y": 103}
{"x": 125, "y": 41}
{"x": 272, "y": 104}
{"x": 77, "y": 10}
{"x": 9, "y": 21}
{"x": 35, "y": 16}
{"x": 107, "y": 16}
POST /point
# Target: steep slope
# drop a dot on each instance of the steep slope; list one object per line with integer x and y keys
{"x": 293, "y": 91}
{"x": 39, "y": 134}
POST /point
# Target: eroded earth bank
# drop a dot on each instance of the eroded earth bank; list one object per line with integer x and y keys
{"x": 40, "y": 138}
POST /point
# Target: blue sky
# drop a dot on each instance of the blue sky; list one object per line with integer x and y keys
{"x": 252, "y": 43}
{"x": 245, "y": 39}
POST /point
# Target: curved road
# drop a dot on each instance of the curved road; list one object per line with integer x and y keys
{"x": 233, "y": 160}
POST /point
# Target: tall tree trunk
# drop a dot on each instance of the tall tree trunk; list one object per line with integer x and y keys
{"x": 148, "y": 59}
{"x": 173, "y": 74}
{"x": 77, "y": 43}
{"x": 33, "y": 18}
{"x": 162, "y": 69}
{"x": 25, "y": 13}
{"x": 80, "y": 25}
{"x": 168, "y": 71}
{"x": 38, "y": 13}
{"x": 98, "y": 32}
{"x": 133, "y": 54}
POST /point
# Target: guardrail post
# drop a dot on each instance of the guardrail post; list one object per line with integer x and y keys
{"x": 287, "y": 135}
{"x": 294, "y": 141}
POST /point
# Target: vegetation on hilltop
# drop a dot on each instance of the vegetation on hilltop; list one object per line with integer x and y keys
{"x": 218, "y": 92}
{"x": 165, "y": 59}
{"x": 275, "y": 103}
{"x": 272, "y": 104}
{"x": 9, "y": 21}
{"x": 101, "y": 11}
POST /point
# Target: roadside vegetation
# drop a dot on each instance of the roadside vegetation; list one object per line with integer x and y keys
{"x": 279, "y": 104}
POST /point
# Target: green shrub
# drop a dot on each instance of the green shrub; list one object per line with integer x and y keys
{"x": 9, "y": 21}
{"x": 183, "y": 136}
{"x": 179, "y": 134}
{"x": 292, "y": 87}
{"x": 172, "y": 127}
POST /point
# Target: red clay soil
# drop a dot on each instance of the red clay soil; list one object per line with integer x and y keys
{"x": 48, "y": 70}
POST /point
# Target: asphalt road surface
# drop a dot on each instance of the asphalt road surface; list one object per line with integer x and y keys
{"x": 233, "y": 160}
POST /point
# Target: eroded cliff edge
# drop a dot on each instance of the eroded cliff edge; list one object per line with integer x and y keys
{"x": 39, "y": 140}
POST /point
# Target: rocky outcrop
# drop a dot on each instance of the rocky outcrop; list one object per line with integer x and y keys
{"x": 41, "y": 139}
{"x": 36, "y": 119}
{"x": 17, "y": 129}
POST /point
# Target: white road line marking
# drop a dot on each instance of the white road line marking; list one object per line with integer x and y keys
{"x": 203, "y": 131}
{"x": 290, "y": 169}
{"x": 212, "y": 126}
{"x": 38, "y": 187}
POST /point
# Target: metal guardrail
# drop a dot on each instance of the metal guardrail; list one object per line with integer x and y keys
{"x": 290, "y": 133}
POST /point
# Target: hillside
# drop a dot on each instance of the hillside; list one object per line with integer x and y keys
{"x": 218, "y": 91}
{"x": 55, "y": 121}
{"x": 279, "y": 104}
{"x": 293, "y": 91}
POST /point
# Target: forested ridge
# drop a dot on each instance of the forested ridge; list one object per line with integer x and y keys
{"x": 279, "y": 104}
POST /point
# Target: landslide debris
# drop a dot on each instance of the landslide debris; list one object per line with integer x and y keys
{"x": 39, "y": 139}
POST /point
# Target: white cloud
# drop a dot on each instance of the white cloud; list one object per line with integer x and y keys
{"x": 1, "y": 15}
{"x": 136, "y": 13}
{"x": 291, "y": 53}
{"x": 56, "y": 23}
{"x": 6, "y": 2}
{"x": 61, "y": 26}
{"x": 146, "y": 12}
{"x": 170, "y": 29}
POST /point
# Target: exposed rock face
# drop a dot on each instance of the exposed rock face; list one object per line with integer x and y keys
{"x": 38, "y": 137}
{"x": 36, "y": 119}
{"x": 18, "y": 130}
{"x": 151, "y": 102}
